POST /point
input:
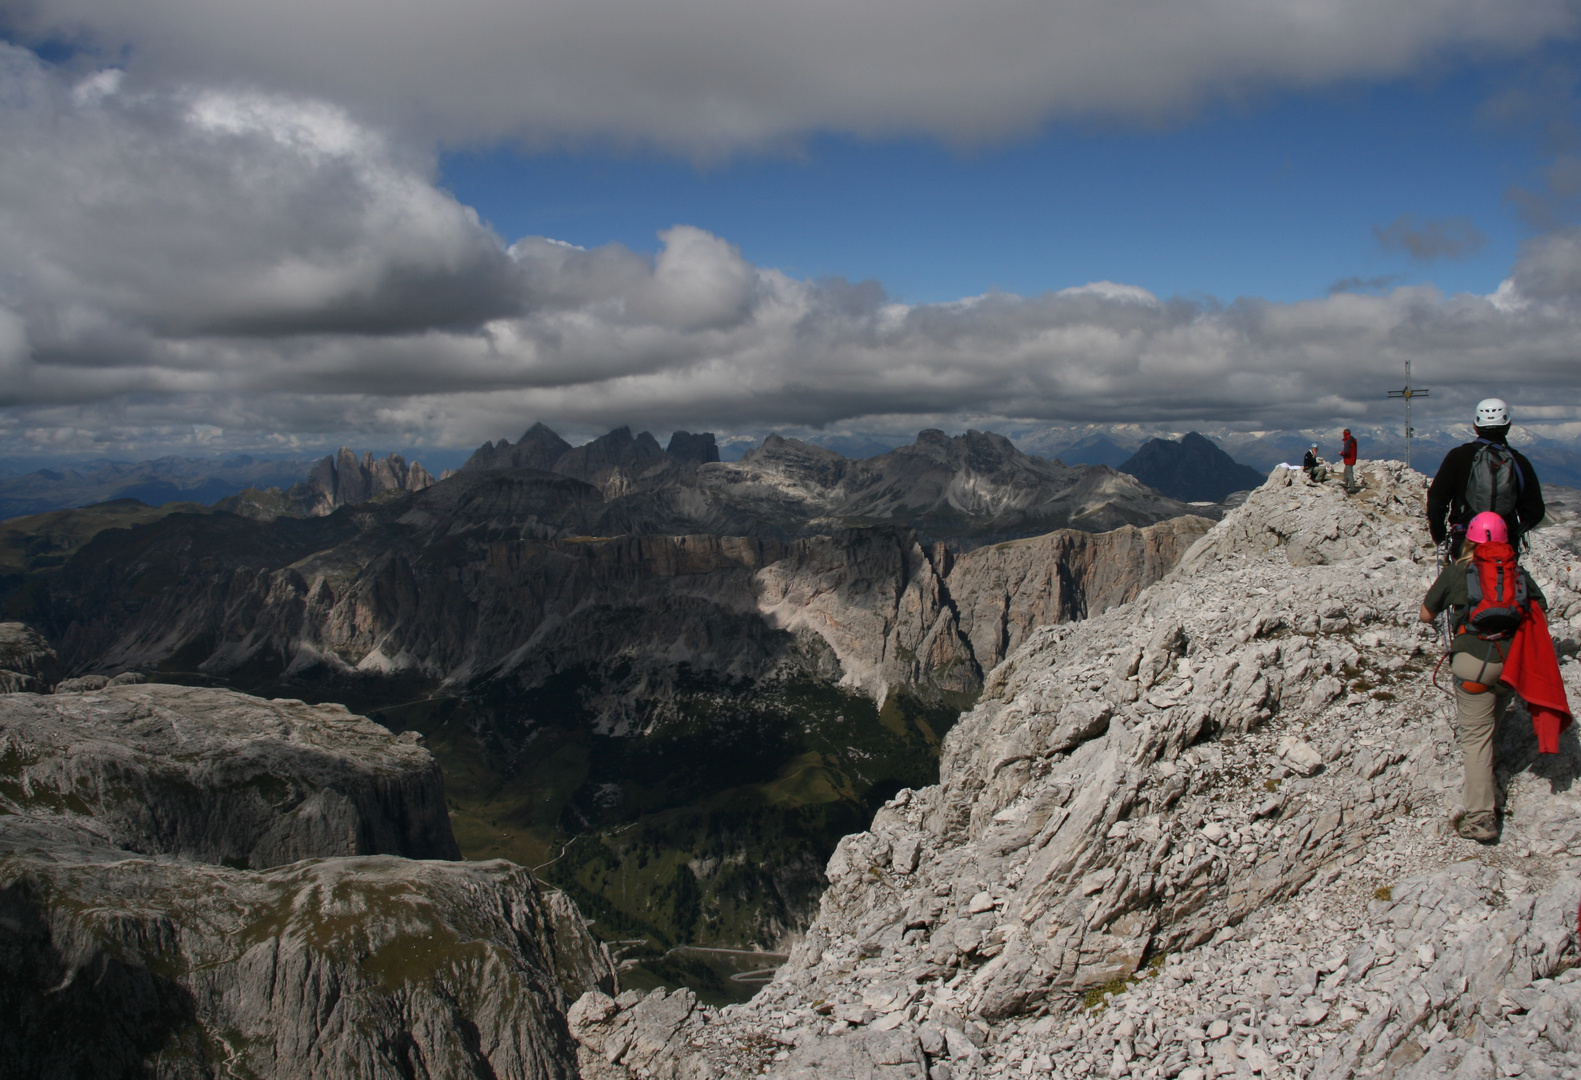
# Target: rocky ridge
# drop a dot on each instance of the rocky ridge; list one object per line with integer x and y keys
{"x": 1204, "y": 833}
{"x": 969, "y": 489}
{"x": 340, "y": 479}
{"x": 128, "y": 949}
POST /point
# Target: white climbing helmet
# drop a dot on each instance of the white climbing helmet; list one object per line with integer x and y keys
{"x": 1492, "y": 412}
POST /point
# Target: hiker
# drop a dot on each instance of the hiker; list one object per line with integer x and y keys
{"x": 1485, "y": 474}
{"x": 1348, "y": 456}
{"x": 1501, "y": 645}
{"x": 1314, "y": 465}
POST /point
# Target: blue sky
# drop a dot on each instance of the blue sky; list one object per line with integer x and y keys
{"x": 275, "y": 228}
{"x": 1277, "y": 198}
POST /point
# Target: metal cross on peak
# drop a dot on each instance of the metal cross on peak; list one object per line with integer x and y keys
{"x": 1408, "y": 393}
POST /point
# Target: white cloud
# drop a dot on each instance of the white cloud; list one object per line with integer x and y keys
{"x": 712, "y": 75}
{"x": 197, "y": 212}
{"x": 275, "y": 270}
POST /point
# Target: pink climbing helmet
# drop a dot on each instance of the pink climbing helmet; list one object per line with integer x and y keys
{"x": 1488, "y": 526}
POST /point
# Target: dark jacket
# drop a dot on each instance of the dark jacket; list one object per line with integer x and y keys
{"x": 1446, "y": 498}
{"x": 1310, "y": 461}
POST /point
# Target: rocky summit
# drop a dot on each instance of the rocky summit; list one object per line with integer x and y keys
{"x": 1205, "y": 833}
{"x": 196, "y": 883}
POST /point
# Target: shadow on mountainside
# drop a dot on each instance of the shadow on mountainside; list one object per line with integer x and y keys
{"x": 95, "y": 1015}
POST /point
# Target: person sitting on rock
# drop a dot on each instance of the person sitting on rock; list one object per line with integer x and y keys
{"x": 1476, "y": 662}
{"x": 1348, "y": 456}
{"x": 1485, "y": 474}
{"x": 1314, "y": 465}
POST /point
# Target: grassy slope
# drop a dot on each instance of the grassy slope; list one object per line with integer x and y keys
{"x": 710, "y": 829}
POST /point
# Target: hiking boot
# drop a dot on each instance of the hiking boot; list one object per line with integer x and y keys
{"x": 1482, "y": 827}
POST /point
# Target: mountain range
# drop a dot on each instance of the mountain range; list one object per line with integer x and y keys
{"x": 636, "y": 659}
{"x": 969, "y": 489}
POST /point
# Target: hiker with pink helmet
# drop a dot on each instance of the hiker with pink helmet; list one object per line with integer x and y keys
{"x": 1500, "y": 634}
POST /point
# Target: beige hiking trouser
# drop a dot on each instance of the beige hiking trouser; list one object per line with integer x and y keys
{"x": 1476, "y": 716}
{"x": 1350, "y": 478}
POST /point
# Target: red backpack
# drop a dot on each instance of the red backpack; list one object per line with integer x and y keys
{"x": 1497, "y": 590}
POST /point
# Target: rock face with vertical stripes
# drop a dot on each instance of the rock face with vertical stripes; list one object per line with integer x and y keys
{"x": 1208, "y": 832}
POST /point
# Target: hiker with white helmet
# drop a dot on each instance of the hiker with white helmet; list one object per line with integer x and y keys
{"x": 1490, "y": 600}
{"x": 1485, "y": 474}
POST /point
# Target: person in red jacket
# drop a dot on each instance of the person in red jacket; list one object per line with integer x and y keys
{"x": 1348, "y": 456}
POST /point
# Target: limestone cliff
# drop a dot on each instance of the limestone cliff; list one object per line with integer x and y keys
{"x": 127, "y": 950}
{"x": 1220, "y": 812}
{"x": 472, "y": 603}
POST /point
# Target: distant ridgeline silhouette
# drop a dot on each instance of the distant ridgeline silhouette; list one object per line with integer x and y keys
{"x": 1192, "y": 470}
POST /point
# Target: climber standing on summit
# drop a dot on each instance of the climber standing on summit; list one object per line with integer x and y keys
{"x": 1484, "y": 474}
{"x": 1348, "y": 456}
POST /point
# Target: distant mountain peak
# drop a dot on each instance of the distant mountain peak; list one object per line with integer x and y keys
{"x": 1193, "y": 469}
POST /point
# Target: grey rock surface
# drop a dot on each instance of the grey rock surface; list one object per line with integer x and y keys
{"x": 126, "y": 950}
{"x": 1208, "y": 832}
{"x": 111, "y": 966}
{"x": 220, "y": 777}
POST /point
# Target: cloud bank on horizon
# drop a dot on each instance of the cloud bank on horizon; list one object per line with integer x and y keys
{"x": 242, "y": 229}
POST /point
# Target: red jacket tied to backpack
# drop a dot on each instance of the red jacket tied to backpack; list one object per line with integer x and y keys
{"x": 1499, "y": 610}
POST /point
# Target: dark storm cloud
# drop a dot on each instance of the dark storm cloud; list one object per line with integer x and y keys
{"x": 1431, "y": 239}
{"x": 711, "y": 76}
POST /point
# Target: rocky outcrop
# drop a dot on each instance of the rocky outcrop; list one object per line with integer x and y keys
{"x": 1219, "y": 815}
{"x": 222, "y": 777}
{"x": 27, "y": 663}
{"x": 1006, "y": 591}
{"x": 344, "y": 480}
{"x": 375, "y": 967}
{"x": 341, "y": 479}
{"x": 126, "y": 949}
